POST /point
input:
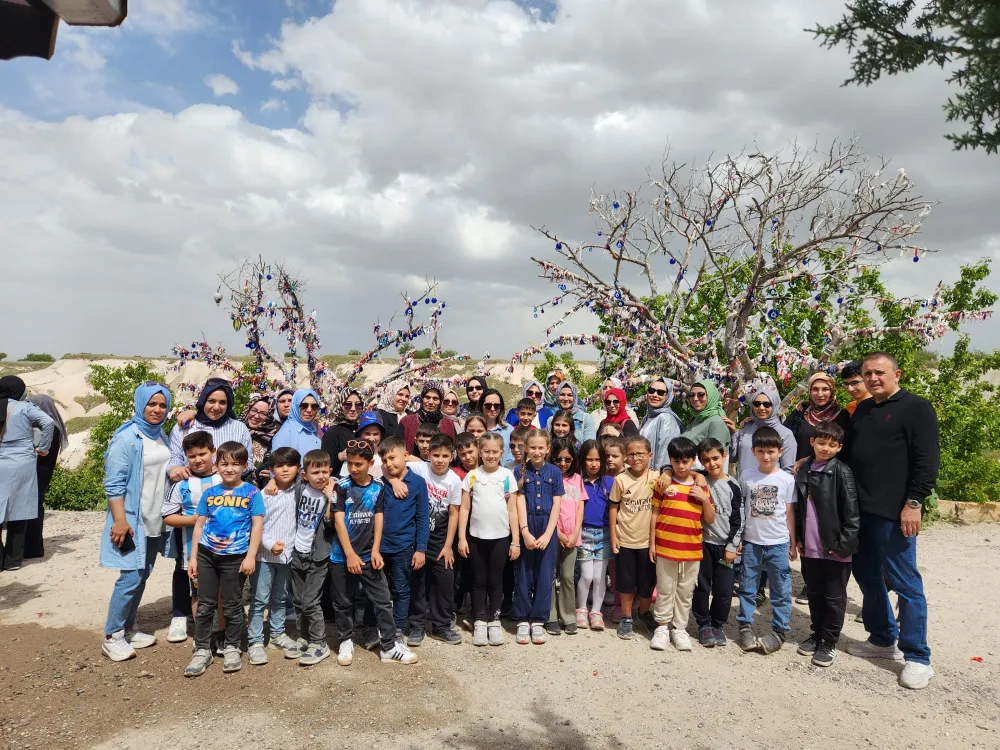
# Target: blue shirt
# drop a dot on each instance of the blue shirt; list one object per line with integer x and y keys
{"x": 595, "y": 510}
{"x": 230, "y": 513}
{"x": 359, "y": 506}
{"x": 405, "y": 522}
{"x": 540, "y": 487}
{"x": 294, "y": 435}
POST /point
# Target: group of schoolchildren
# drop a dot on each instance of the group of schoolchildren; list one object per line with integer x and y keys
{"x": 536, "y": 539}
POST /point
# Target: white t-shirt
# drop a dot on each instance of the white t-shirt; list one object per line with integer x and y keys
{"x": 375, "y": 471}
{"x": 442, "y": 492}
{"x": 155, "y": 455}
{"x": 765, "y": 498}
{"x": 488, "y": 517}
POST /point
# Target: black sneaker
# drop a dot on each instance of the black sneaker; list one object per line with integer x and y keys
{"x": 825, "y": 654}
{"x": 625, "y": 629}
{"x": 760, "y": 598}
{"x": 370, "y": 638}
{"x": 748, "y": 641}
{"x": 647, "y": 619}
{"x": 808, "y": 646}
{"x": 772, "y": 642}
{"x": 415, "y": 638}
{"x": 570, "y": 628}
{"x": 552, "y": 628}
{"x": 450, "y": 636}
{"x": 803, "y": 597}
{"x": 706, "y": 637}
{"x": 720, "y": 636}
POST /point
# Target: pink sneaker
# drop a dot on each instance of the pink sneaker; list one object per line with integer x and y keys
{"x": 581, "y": 618}
{"x": 596, "y": 621}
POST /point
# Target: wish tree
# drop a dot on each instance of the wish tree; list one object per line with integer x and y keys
{"x": 758, "y": 266}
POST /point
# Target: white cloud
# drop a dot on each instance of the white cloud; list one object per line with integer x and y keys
{"x": 272, "y": 105}
{"x": 221, "y": 85}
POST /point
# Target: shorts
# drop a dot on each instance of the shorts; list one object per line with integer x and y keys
{"x": 634, "y": 573}
{"x": 595, "y": 544}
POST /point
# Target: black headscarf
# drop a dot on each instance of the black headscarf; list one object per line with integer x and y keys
{"x": 12, "y": 388}
{"x": 211, "y": 386}
{"x": 430, "y": 417}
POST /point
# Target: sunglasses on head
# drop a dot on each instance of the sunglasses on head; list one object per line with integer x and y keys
{"x": 148, "y": 383}
{"x": 657, "y": 391}
{"x": 611, "y": 402}
{"x": 762, "y": 404}
{"x": 491, "y": 406}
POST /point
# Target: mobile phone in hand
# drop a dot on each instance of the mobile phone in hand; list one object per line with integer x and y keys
{"x": 127, "y": 545}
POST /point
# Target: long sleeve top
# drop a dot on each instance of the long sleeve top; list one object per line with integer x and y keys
{"x": 231, "y": 430}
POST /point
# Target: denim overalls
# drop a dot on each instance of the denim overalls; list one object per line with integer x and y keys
{"x": 535, "y": 569}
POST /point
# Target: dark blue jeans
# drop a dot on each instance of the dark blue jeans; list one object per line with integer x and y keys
{"x": 398, "y": 567}
{"x": 888, "y": 560}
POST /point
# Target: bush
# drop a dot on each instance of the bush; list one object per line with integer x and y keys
{"x": 77, "y": 489}
{"x": 422, "y": 353}
{"x": 3, "y": 356}
{"x": 38, "y": 358}
{"x": 404, "y": 348}
{"x": 354, "y": 353}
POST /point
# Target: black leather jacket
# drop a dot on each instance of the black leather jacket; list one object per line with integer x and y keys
{"x": 836, "y": 500}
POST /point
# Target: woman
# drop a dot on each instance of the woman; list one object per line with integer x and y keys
{"x": 475, "y": 387}
{"x": 617, "y": 413}
{"x": 550, "y": 397}
{"x": 660, "y": 425}
{"x": 764, "y": 404}
{"x": 428, "y": 413}
{"x": 493, "y": 411}
{"x": 601, "y": 412}
{"x": 260, "y": 419}
{"x": 18, "y": 455}
{"x": 708, "y": 415}
{"x": 567, "y": 399}
{"x": 449, "y": 407}
{"x": 392, "y": 405}
{"x": 345, "y": 424}
{"x": 299, "y": 430}
{"x": 34, "y": 545}
{"x": 283, "y": 405}
{"x": 533, "y": 390}
{"x": 135, "y": 472}
{"x": 821, "y": 406}
{"x": 214, "y": 415}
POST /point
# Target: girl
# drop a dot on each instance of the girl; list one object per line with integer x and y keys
{"x": 476, "y": 424}
{"x": 595, "y": 548}
{"x": 540, "y": 491}
{"x": 493, "y": 411}
{"x": 561, "y": 424}
{"x": 488, "y": 536}
{"x": 568, "y": 529}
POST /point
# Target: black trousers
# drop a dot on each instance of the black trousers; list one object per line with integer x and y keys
{"x": 12, "y": 548}
{"x": 826, "y": 587}
{"x": 308, "y": 579}
{"x": 344, "y": 584}
{"x": 487, "y": 558}
{"x": 219, "y": 573}
{"x": 717, "y": 580}
{"x": 432, "y": 595}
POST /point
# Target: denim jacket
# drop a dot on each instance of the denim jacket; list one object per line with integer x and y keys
{"x": 123, "y": 478}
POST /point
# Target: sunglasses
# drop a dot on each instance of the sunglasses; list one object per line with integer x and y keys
{"x": 562, "y": 460}
{"x": 658, "y": 391}
{"x": 534, "y": 394}
{"x": 352, "y": 404}
{"x": 611, "y": 402}
{"x": 148, "y": 383}
{"x": 450, "y": 402}
{"x": 761, "y": 404}
{"x": 308, "y": 407}
{"x": 474, "y": 388}
{"x": 698, "y": 396}
{"x": 491, "y": 407}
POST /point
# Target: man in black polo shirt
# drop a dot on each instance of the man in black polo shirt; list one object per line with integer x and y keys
{"x": 894, "y": 454}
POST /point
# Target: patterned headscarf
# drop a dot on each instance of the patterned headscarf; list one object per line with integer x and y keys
{"x": 266, "y": 432}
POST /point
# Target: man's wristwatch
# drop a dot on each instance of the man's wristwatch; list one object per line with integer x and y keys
{"x": 915, "y": 504}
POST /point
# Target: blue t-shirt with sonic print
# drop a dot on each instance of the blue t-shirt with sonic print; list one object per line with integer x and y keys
{"x": 359, "y": 504}
{"x": 230, "y": 512}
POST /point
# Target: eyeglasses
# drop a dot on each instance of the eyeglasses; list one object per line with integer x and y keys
{"x": 491, "y": 407}
{"x": 562, "y": 460}
{"x": 657, "y": 391}
{"x": 259, "y": 412}
{"x": 308, "y": 407}
{"x": 611, "y": 402}
{"x": 698, "y": 396}
{"x": 854, "y": 383}
{"x": 761, "y": 404}
{"x": 450, "y": 402}
{"x": 637, "y": 455}
{"x": 534, "y": 394}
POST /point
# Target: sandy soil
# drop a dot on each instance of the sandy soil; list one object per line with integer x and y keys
{"x": 585, "y": 692}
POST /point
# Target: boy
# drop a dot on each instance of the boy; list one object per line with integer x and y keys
{"x": 828, "y": 535}
{"x": 720, "y": 541}
{"x": 468, "y": 454}
{"x": 433, "y": 585}
{"x": 178, "y": 513}
{"x": 356, "y": 511}
{"x": 269, "y": 583}
{"x": 526, "y": 409}
{"x": 680, "y": 505}
{"x": 517, "y": 440}
{"x": 768, "y": 541}
{"x": 855, "y": 384}
{"x": 404, "y": 527}
{"x": 422, "y": 442}
{"x": 629, "y": 519}
{"x": 371, "y": 429}
{"x": 310, "y": 554}
{"x": 224, "y": 551}
{"x": 614, "y": 451}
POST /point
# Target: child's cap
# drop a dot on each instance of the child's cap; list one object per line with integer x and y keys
{"x": 369, "y": 418}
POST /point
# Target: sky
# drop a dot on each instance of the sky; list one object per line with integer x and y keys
{"x": 370, "y": 144}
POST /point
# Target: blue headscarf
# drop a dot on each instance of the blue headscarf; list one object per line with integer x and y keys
{"x": 294, "y": 415}
{"x": 140, "y": 399}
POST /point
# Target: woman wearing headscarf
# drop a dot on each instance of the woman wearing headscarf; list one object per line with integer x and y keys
{"x": 617, "y": 413}
{"x": 135, "y": 474}
{"x": 708, "y": 415}
{"x": 392, "y": 404}
{"x": 450, "y": 407}
{"x": 821, "y": 406}
{"x": 283, "y": 405}
{"x": 214, "y": 415}
{"x": 428, "y": 413}
{"x": 601, "y": 411}
{"x": 299, "y": 430}
{"x": 660, "y": 424}
{"x": 550, "y": 397}
{"x": 260, "y": 419}
{"x": 342, "y": 428}
{"x": 764, "y": 403}
{"x": 533, "y": 390}
{"x": 18, "y": 454}
{"x": 34, "y": 545}
{"x": 583, "y": 423}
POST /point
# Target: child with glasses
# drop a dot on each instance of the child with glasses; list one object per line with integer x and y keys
{"x": 855, "y": 384}
{"x": 342, "y": 428}
{"x": 568, "y": 531}
{"x": 517, "y": 440}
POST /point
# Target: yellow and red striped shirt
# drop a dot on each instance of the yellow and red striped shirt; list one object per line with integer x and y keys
{"x": 678, "y": 523}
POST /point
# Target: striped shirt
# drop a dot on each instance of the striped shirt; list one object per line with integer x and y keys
{"x": 232, "y": 430}
{"x": 279, "y": 526}
{"x": 678, "y": 523}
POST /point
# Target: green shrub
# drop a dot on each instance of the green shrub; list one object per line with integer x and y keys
{"x": 3, "y": 356}
{"x": 91, "y": 401}
{"x": 354, "y": 352}
{"x": 38, "y": 358}
{"x": 77, "y": 489}
{"x": 80, "y": 424}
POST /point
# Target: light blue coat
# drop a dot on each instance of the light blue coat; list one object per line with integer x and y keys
{"x": 123, "y": 478}
{"x": 18, "y": 477}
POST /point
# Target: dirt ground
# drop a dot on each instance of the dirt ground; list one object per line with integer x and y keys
{"x": 587, "y": 692}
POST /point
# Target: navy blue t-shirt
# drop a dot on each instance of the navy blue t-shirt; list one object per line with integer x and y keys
{"x": 359, "y": 506}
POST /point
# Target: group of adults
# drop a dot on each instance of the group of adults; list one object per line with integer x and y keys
{"x": 32, "y": 435}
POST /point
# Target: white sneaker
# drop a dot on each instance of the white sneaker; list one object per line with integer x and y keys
{"x": 868, "y": 650}
{"x": 138, "y": 639}
{"x": 660, "y": 638}
{"x": 178, "y": 632}
{"x": 915, "y": 676}
{"x": 117, "y": 648}
{"x": 479, "y": 633}
{"x": 680, "y": 639}
{"x": 399, "y": 653}
{"x": 345, "y": 654}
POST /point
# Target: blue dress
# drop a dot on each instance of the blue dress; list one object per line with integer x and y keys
{"x": 18, "y": 477}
